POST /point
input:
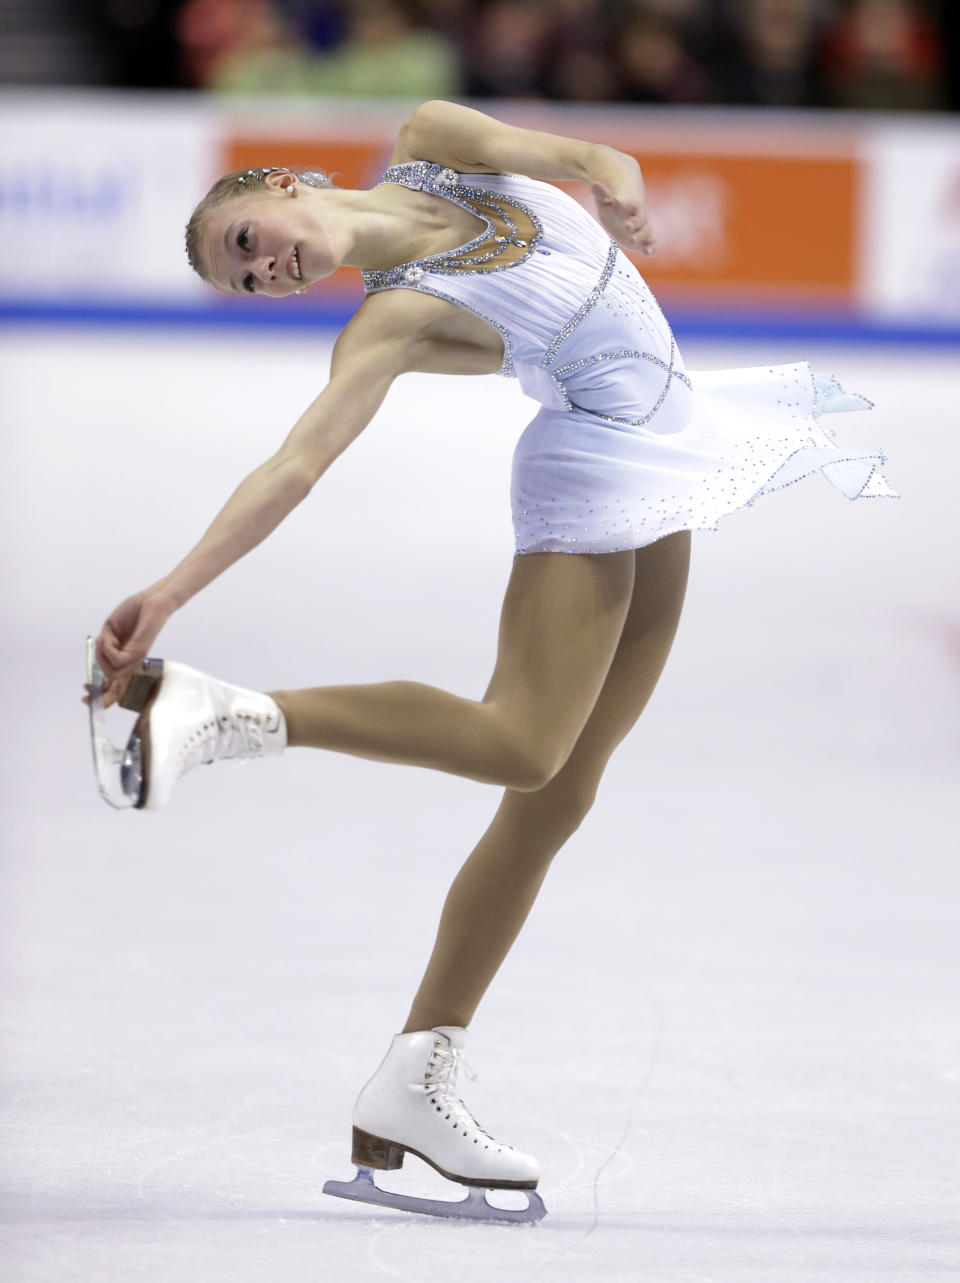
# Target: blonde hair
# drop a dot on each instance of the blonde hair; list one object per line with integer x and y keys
{"x": 237, "y": 183}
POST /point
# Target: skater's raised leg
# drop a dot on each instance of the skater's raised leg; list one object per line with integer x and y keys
{"x": 494, "y": 891}
{"x": 561, "y": 622}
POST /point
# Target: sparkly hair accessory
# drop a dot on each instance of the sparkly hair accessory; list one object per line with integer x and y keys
{"x": 315, "y": 178}
{"x": 309, "y": 177}
{"x": 258, "y": 173}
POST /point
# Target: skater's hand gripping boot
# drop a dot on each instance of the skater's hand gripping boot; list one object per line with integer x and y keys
{"x": 126, "y": 638}
{"x": 186, "y": 718}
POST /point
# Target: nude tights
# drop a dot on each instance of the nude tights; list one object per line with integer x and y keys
{"x": 583, "y": 640}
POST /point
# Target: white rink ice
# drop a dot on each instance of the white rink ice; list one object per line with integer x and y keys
{"x": 730, "y": 1029}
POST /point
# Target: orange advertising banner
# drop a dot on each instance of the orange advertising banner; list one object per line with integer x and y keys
{"x": 768, "y": 226}
{"x": 762, "y": 225}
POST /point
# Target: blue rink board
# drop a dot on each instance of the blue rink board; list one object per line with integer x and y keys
{"x": 688, "y": 322}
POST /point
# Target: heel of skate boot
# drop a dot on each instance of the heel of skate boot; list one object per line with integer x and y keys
{"x": 371, "y": 1151}
{"x": 142, "y": 685}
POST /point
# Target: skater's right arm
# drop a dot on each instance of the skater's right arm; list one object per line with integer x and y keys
{"x": 366, "y": 359}
{"x": 360, "y": 377}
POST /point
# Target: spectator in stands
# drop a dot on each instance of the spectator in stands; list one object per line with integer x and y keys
{"x": 505, "y": 50}
{"x": 450, "y": 17}
{"x": 578, "y": 61}
{"x": 844, "y": 53}
{"x": 766, "y": 54}
{"x": 654, "y": 62}
{"x": 383, "y": 55}
{"x": 321, "y": 23}
{"x": 213, "y": 33}
{"x": 884, "y": 53}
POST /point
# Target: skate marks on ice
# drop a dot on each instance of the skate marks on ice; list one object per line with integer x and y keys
{"x": 477, "y": 1204}
{"x": 243, "y": 1194}
{"x": 586, "y": 1150}
{"x": 246, "y": 1207}
{"x": 274, "y": 1159}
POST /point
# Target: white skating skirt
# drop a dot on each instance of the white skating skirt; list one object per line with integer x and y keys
{"x": 585, "y": 484}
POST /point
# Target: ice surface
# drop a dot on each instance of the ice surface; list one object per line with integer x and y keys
{"x": 730, "y": 1029}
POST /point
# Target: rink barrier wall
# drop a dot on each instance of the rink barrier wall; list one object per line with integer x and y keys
{"x": 687, "y": 324}
{"x": 843, "y": 222}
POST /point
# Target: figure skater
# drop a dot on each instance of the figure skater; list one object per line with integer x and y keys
{"x": 472, "y": 264}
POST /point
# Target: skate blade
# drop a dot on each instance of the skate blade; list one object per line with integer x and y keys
{"x": 474, "y": 1207}
{"x": 119, "y": 771}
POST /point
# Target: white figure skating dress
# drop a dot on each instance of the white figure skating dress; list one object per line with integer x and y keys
{"x": 628, "y": 446}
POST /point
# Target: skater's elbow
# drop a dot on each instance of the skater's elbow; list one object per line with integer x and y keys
{"x": 305, "y": 467}
{"x": 330, "y": 424}
{"x": 293, "y": 476}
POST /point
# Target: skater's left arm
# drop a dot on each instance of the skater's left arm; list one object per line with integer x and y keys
{"x": 472, "y": 142}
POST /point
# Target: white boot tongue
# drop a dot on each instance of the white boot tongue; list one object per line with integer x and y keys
{"x": 455, "y": 1036}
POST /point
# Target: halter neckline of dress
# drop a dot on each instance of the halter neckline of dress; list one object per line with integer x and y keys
{"x": 508, "y": 222}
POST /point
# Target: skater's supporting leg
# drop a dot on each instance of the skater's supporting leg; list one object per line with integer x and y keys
{"x": 493, "y": 893}
{"x": 561, "y": 622}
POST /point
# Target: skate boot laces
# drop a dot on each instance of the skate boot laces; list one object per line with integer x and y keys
{"x": 441, "y": 1089}
{"x": 230, "y": 735}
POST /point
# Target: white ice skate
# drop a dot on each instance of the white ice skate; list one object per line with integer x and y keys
{"x": 410, "y": 1106}
{"x": 186, "y": 718}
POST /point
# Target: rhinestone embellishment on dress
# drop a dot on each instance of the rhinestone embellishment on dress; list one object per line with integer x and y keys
{"x": 508, "y": 222}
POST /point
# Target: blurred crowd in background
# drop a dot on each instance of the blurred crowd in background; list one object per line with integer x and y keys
{"x": 883, "y": 54}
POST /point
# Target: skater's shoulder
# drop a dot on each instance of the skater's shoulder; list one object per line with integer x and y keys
{"x": 397, "y": 331}
{"x": 381, "y": 331}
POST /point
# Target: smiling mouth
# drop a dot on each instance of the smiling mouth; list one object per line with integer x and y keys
{"x": 294, "y": 265}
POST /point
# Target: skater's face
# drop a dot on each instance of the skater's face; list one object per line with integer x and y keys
{"x": 272, "y": 241}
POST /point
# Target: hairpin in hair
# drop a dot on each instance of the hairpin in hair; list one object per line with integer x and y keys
{"x": 254, "y": 173}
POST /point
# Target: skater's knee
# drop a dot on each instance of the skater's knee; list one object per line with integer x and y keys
{"x": 563, "y": 803}
{"x": 571, "y": 801}
{"x": 526, "y": 769}
{"x": 531, "y": 776}
{"x": 527, "y": 760}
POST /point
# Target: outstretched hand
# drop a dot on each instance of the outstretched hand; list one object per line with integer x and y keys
{"x": 126, "y": 638}
{"x": 624, "y": 216}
